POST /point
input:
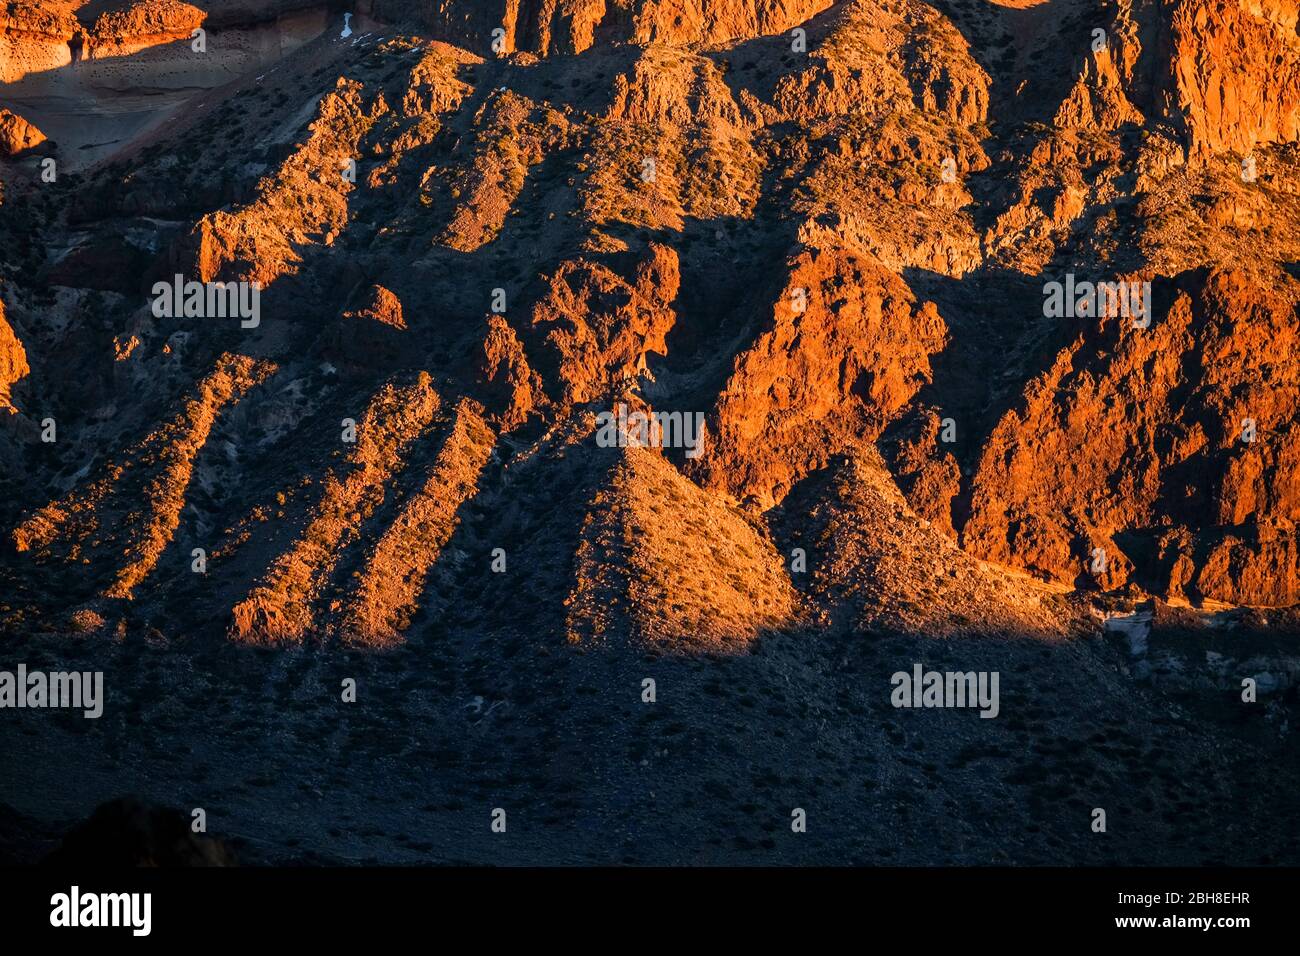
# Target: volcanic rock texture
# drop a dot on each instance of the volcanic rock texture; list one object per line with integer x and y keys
{"x": 816, "y": 236}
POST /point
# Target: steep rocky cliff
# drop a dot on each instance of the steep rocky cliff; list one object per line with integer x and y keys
{"x": 788, "y": 235}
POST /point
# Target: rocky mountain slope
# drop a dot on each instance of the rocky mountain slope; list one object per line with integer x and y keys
{"x": 817, "y": 238}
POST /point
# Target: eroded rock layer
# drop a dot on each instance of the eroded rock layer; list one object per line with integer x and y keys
{"x": 644, "y": 323}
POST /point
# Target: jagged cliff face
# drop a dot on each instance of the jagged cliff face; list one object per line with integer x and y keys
{"x": 810, "y": 246}
{"x": 573, "y": 26}
{"x": 1236, "y": 74}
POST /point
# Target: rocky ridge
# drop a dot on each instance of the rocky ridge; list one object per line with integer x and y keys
{"x": 823, "y": 227}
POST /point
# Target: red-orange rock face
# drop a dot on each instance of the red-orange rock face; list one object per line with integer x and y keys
{"x": 602, "y": 326}
{"x": 13, "y": 360}
{"x": 1133, "y": 433}
{"x": 571, "y": 26}
{"x": 1236, "y": 73}
{"x": 847, "y": 347}
{"x": 822, "y": 231}
{"x": 17, "y": 135}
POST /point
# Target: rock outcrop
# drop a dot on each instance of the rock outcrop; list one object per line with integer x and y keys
{"x": 1134, "y": 432}
{"x": 821, "y": 227}
{"x": 601, "y": 327}
{"x": 17, "y": 135}
{"x": 1236, "y": 74}
{"x": 13, "y": 361}
{"x": 559, "y": 27}
{"x": 847, "y": 346}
